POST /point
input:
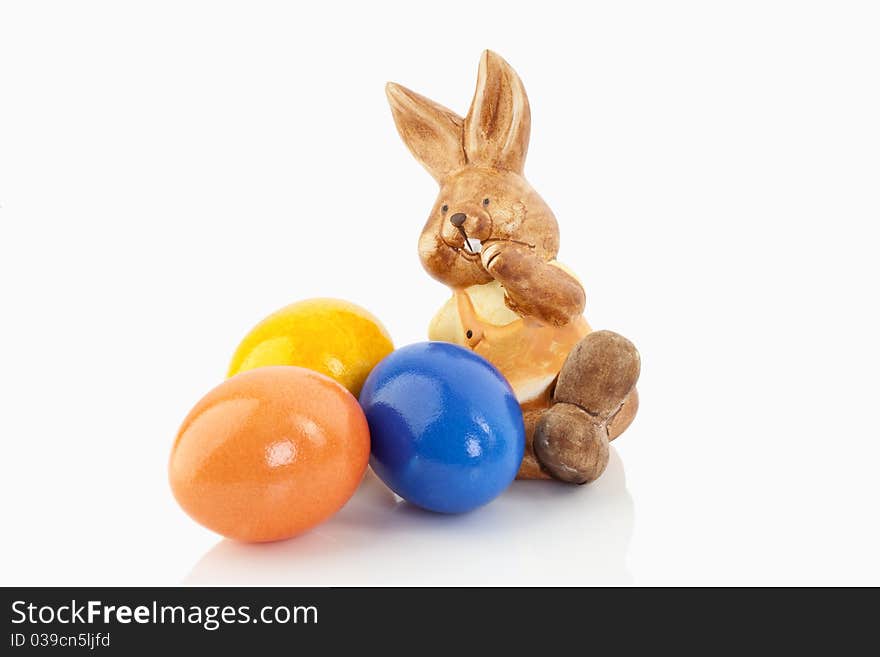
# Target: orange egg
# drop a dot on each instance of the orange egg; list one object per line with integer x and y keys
{"x": 269, "y": 453}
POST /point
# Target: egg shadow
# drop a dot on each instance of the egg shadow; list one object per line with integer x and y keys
{"x": 536, "y": 533}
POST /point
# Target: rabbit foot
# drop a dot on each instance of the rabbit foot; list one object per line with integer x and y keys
{"x": 570, "y": 444}
{"x": 594, "y": 401}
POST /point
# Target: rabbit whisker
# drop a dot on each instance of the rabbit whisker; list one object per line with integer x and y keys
{"x": 504, "y": 239}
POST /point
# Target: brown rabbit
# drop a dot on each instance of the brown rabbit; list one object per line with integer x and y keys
{"x": 493, "y": 240}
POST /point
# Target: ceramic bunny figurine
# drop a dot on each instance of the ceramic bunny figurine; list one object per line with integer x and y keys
{"x": 493, "y": 240}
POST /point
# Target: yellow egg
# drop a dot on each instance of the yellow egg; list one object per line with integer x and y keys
{"x": 330, "y": 336}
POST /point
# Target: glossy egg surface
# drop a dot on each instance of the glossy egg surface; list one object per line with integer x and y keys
{"x": 334, "y": 337}
{"x": 269, "y": 453}
{"x": 446, "y": 429}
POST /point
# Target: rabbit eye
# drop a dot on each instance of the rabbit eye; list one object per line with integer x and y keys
{"x": 444, "y": 208}
{"x": 485, "y": 201}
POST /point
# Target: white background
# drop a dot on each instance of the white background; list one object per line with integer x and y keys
{"x": 171, "y": 172}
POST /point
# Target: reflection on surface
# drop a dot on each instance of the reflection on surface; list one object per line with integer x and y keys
{"x": 536, "y": 533}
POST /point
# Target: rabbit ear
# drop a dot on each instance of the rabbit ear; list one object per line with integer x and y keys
{"x": 496, "y": 129}
{"x": 431, "y": 132}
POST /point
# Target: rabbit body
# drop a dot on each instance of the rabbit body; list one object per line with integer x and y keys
{"x": 529, "y": 353}
{"x": 493, "y": 241}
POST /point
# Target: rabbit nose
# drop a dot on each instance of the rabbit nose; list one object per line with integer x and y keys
{"x": 458, "y": 219}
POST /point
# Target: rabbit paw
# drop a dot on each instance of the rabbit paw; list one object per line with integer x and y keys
{"x": 490, "y": 256}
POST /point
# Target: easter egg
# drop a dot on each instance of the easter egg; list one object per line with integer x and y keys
{"x": 445, "y": 427}
{"x": 330, "y": 336}
{"x": 269, "y": 453}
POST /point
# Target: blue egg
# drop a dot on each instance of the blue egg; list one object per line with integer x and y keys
{"x": 446, "y": 430}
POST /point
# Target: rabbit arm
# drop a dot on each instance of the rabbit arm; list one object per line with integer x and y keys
{"x": 534, "y": 287}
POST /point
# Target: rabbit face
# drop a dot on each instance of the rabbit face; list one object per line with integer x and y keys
{"x": 478, "y": 162}
{"x": 483, "y": 205}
